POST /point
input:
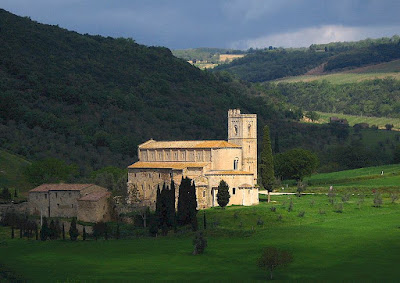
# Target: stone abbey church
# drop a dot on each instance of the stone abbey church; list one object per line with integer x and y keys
{"x": 207, "y": 162}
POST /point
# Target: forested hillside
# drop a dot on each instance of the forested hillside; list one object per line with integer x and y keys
{"x": 266, "y": 65}
{"x": 380, "y": 98}
{"x": 91, "y": 100}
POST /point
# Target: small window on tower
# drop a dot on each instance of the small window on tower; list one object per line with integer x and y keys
{"x": 234, "y": 191}
{"x": 235, "y": 164}
{"x": 249, "y": 130}
{"x": 204, "y": 193}
{"x": 236, "y": 130}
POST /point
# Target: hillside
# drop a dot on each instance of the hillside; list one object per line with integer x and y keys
{"x": 378, "y": 97}
{"x": 11, "y": 169}
{"x": 266, "y": 65}
{"x": 91, "y": 100}
{"x": 377, "y": 71}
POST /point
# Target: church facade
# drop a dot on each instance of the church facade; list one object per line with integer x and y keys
{"x": 206, "y": 162}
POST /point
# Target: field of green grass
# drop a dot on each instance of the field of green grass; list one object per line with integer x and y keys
{"x": 353, "y": 119}
{"x": 11, "y": 168}
{"x": 379, "y": 71}
{"x": 363, "y": 179}
{"x": 358, "y": 244}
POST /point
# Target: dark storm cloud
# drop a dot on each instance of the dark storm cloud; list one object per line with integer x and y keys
{"x": 218, "y": 23}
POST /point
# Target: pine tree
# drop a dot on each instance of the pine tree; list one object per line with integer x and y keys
{"x": 73, "y": 231}
{"x": 223, "y": 195}
{"x": 267, "y": 165}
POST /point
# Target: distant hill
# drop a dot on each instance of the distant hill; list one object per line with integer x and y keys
{"x": 91, "y": 100}
{"x": 266, "y": 65}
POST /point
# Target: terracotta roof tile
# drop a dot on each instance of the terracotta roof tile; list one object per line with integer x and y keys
{"x": 152, "y": 144}
{"x": 60, "y": 187}
{"x": 232, "y": 172}
{"x": 95, "y": 196}
{"x": 167, "y": 165}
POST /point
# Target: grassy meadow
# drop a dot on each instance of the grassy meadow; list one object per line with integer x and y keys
{"x": 362, "y": 179}
{"x": 358, "y": 243}
{"x": 378, "y": 71}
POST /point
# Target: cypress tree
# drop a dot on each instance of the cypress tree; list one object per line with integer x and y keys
{"x": 15, "y": 193}
{"x": 204, "y": 220}
{"x": 184, "y": 205}
{"x": 117, "y": 232}
{"x": 63, "y": 232}
{"x": 171, "y": 205}
{"x": 193, "y": 206}
{"x": 223, "y": 195}
{"x": 36, "y": 232}
{"x": 20, "y": 232}
{"x": 44, "y": 231}
{"x": 105, "y": 231}
{"x": 52, "y": 230}
{"x": 158, "y": 207}
{"x": 73, "y": 231}
{"x": 12, "y": 232}
{"x": 267, "y": 164}
{"x": 84, "y": 233}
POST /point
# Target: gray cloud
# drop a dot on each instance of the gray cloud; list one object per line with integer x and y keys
{"x": 218, "y": 23}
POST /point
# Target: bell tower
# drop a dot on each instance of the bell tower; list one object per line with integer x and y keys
{"x": 242, "y": 130}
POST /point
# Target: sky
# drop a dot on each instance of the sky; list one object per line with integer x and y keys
{"x": 239, "y": 24}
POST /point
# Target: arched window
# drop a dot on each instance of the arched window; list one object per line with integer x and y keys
{"x": 234, "y": 191}
{"x": 236, "y": 130}
{"x": 249, "y": 130}
{"x": 235, "y": 164}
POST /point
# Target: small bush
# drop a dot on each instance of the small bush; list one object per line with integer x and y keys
{"x": 273, "y": 208}
{"x": 301, "y": 214}
{"x": 290, "y": 208}
{"x": 339, "y": 208}
{"x": 280, "y": 217}
{"x": 346, "y": 197}
{"x": 378, "y": 200}
{"x": 260, "y": 222}
{"x": 200, "y": 243}
{"x": 394, "y": 197}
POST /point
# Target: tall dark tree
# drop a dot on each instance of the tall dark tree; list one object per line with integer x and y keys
{"x": 117, "y": 233}
{"x": 276, "y": 148}
{"x": 63, "y": 232}
{"x": 73, "y": 231}
{"x": 171, "y": 205}
{"x": 223, "y": 195}
{"x": 187, "y": 202}
{"x": 12, "y": 232}
{"x": 158, "y": 207}
{"x": 84, "y": 233}
{"x": 267, "y": 163}
{"x": 44, "y": 231}
{"x": 36, "y": 232}
{"x": 204, "y": 221}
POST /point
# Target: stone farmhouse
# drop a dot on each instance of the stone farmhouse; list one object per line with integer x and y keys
{"x": 87, "y": 202}
{"x": 207, "y": 162}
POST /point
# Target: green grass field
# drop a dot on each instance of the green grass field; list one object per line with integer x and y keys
{"x": 353, "y": 119}
{"x": 379, "y": 71}
{"x": 359, "y": 244}
{"x": 363, "y": 178}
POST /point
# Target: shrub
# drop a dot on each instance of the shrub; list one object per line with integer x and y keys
{"x": 290, "y": 208}
{"x": 339, "y": 208}
{"x": 301, "y": 214}
{"x": 273, "y": 208}
{"x": 378, "y": 200}
{"x": 394, "y": 197}
{"x": 200, "y": 243}
{"x": 346, "y": 197}
{"x": 280, "y": 217}
{"x": 272, "y": 258}
{"x": 260, "y": 222}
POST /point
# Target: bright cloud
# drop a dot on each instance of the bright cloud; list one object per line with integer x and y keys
{"x": 323, "y": 34}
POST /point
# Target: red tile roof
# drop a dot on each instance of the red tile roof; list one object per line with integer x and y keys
{"x": 60, "y": 187}
{"x": 95, "y": 196}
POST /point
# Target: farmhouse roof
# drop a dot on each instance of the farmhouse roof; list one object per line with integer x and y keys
{"x": 60, "y": 187}
{"x": 152, "y": 144}
{"x": 168, "y": 165}
{"x": 95, "y": 196}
